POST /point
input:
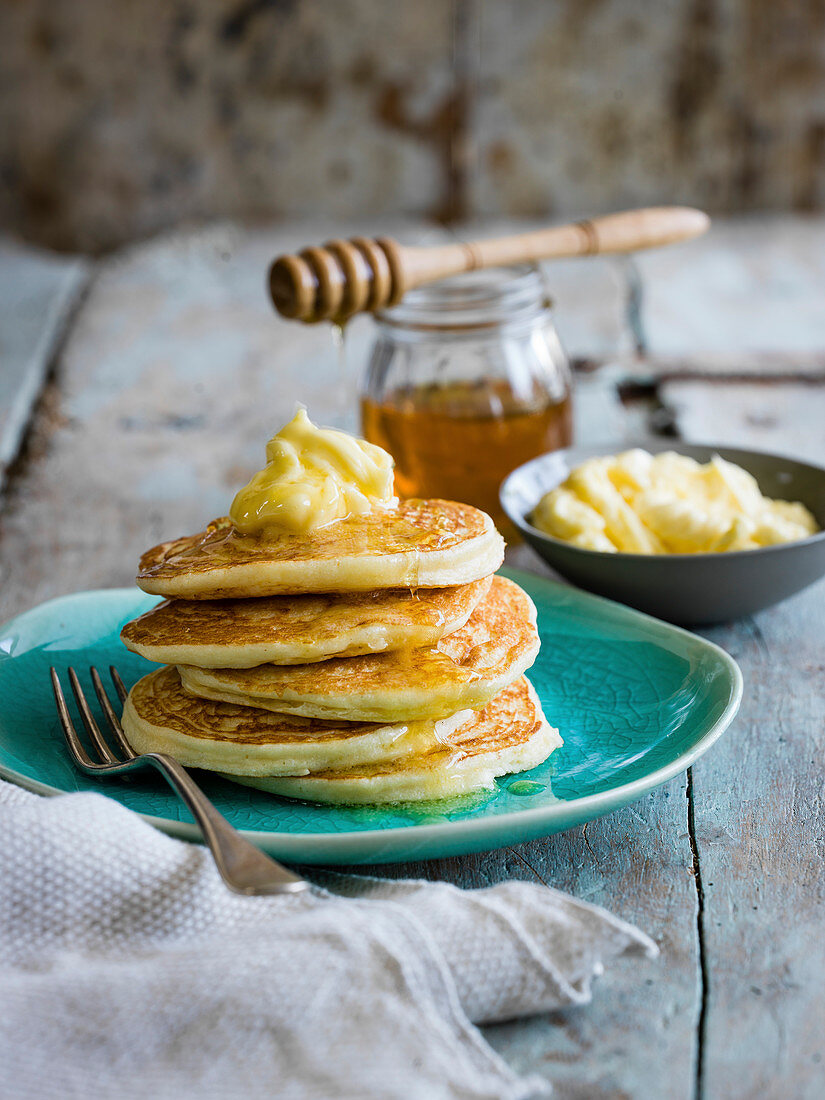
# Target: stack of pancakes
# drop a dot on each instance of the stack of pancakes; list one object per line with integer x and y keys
{"x": 373, "y": 660}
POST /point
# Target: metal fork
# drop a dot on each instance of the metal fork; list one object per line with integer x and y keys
{"x": 244, "y": 868}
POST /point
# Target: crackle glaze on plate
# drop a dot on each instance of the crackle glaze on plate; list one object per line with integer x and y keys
{"x": 636, "y": 701}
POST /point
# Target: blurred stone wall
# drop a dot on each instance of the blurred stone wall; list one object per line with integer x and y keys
{"x": 119, "y": 117}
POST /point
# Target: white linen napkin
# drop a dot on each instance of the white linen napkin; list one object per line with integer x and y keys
{"x": 127, "y": 969}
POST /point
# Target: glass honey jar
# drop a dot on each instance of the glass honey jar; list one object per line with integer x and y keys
{"x": 466, "y": 380}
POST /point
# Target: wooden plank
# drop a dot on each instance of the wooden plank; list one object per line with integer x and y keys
{"x": 749, "y": 289}
{"x": 787, "y": 418}
{"x": 757, "y": 795}
{"x": 760, "y": 832}
{"x": 638, "y": 1036}
{"x": 175, "y": 373}
{"x": 38, "y": 291}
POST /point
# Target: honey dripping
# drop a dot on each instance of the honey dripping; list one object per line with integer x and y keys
{"x": 342, "y": 382}
{"x": 459, "y": 440}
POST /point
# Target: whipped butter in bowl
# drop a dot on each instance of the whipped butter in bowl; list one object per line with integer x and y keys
{"x": 693, "y": 534}
{"x": 669, "y": 503}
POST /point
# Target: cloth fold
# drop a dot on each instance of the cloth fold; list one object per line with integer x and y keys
{"x": 127, "y": 969}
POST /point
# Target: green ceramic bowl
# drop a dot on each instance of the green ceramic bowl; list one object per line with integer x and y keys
{"x": 689, "y": 589}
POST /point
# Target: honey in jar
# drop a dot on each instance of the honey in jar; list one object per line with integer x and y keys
{"x": 466, "y": 381}
{"x": 461, "y": 440}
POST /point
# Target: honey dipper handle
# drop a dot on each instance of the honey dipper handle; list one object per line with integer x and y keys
{"x": 625, "y": 232}
{"x": 345, "y": 277}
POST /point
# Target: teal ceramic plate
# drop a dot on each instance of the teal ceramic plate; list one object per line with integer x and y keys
{"x": 636, "y": 701}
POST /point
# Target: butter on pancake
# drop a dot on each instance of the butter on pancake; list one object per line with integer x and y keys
{"x": 313, "y": 477}
{"x": 466, "y": 668}
{"x": 419, "y": 544}
{"x": 510, "y": 734}
{"x": 297, "y": 630}
{"x": 159, "y": 716}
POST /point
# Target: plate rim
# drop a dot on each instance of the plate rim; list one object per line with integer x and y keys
{"x": 364, "y": 842}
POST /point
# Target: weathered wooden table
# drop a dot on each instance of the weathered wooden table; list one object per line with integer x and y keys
{"x": 137, "y": 392}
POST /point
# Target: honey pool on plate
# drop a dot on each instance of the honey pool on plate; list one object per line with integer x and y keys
{"x": 459, "y": 441}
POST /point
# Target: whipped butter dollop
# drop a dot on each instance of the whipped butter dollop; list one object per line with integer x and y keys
{"x": 639, "y": 503}
{"x": 313, "y": 477}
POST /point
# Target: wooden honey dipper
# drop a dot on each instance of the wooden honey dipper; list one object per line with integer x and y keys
{"x": 346, "y": 277}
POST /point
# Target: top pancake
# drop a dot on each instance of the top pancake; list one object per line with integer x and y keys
{"x": 421, "y": 544}
{"x": 465, "y": 669}
{"x": 297, "y": 630}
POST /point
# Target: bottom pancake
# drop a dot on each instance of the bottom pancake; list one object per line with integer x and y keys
{"x": 511, "y": 734}
{"x": 159, "y": 716}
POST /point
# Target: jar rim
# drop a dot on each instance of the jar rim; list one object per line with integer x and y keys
{"x": 483, "y": 299}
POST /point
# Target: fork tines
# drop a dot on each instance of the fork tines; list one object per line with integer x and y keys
{"x": 76, "y": 749}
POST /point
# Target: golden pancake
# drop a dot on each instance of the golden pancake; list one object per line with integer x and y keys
{"x": 296, "y": 630}
{"x": 160, "y": 717}
{"x": 465, "y": 669}
{"x": 421, "y": 544}
{"x": 511, "y": 734}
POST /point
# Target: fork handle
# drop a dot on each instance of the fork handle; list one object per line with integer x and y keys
{"x": 244, "y": 868}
